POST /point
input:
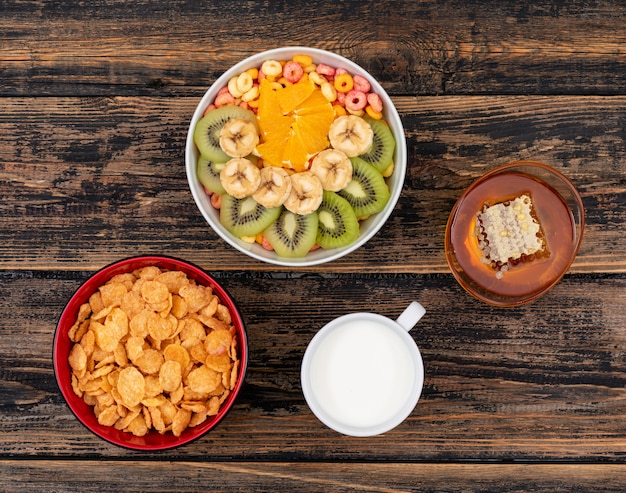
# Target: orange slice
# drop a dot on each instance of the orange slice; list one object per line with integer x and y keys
{"x": 294, "y": 123}
{"x": 314, "y": 114}
{"x": 294, "y": 95}
{"x": 272, "y": 122}
{"x": 271, "y": 153}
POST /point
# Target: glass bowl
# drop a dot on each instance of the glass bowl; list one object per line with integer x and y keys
{"x": 555, "y": 205}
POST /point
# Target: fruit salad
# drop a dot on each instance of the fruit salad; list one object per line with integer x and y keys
{"x": 294, "y": 154}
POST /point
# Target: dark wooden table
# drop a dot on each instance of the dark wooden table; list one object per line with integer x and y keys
{"x": 96, "y": 99}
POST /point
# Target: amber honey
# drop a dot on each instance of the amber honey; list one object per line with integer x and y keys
{"x": 525, "y": 278}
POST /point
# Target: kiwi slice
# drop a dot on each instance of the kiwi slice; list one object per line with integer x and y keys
{"x": 246, "y": 217}
{"x": 293, "y": 235}
{"x": 380, "y": 155}
{"x": 338, "y": 225}
{"x": 208, "y": 173}
{"x": 207, "y": 132}
{"x": 367, "y": 192}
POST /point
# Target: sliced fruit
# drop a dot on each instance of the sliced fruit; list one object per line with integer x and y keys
{"x": 306, "y": 193}
{"x": 333, "y": 168}
{"x": 367, "y": 192}
{"x": 207, "y": 132}
{"x": 239, "y": 137}
{"x": 338, "y": 225}
{"x": 380, "y": 154}
{"x": 208, "y": 173}
{"x": 351, "y": 134}
{"x": 294, "y": 154}
{"x": 275, "y": 187}
{"x": 275, "y": 126}
{"x": 272, "y": 122}
{"x": 293, "y": 129}
{"x": 246, "y": 217}
{"x": 240, "y": 177}
{"x": 293, "y": 235}
{"x": 312, "y": 122}
{"x": 294, "y": 95}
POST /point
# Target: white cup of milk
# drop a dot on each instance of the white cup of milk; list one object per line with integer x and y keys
{"x": 362, "y": 373}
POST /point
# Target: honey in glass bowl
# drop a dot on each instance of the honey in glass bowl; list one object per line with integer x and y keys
{"x": 525, "y": 198}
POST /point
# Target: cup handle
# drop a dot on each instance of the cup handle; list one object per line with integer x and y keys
{"x": 411, "y": 315}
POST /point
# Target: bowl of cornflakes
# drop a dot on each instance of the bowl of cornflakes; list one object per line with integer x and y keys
{"x": 150, "y": 353}
{"x": 296, "y": 156}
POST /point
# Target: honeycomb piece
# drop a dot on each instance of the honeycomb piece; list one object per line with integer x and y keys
{"x": 509, "y": 233}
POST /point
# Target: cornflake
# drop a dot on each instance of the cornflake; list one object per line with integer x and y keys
{"x": 153, "y": 350}
{"x": 509, "y": 233}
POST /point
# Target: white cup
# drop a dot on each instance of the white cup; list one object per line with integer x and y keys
{"x": 362, "y": 373}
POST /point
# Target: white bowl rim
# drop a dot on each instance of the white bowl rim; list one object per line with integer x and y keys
{"x": 372, "y": 224}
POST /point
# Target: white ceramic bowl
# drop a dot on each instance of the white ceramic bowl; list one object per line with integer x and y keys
{"x": 369, "y": 227}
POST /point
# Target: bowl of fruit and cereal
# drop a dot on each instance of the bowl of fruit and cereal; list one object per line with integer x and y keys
{"x": 150, "y": 353}
{"x": 296, "y": 156}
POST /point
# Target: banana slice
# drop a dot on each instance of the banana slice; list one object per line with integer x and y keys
{"x": 333, "y": 168}
{"x": 238, "y": 137}
{"x": 306, "y": 193}
{"x": 240, "y": 177}
{"x": 274, "y": 188}
{"x": 351, "y": 134}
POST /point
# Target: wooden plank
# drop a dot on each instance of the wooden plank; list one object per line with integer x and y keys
{"x": 97, "y": 97}
{"x": 85, "y": 181}
{"x": 309, "y": 477}
{"x": 426, "y": 47}
{"x": 542, "y": 382}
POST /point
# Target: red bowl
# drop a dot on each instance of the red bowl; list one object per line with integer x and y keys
{"x": 62, "y": 345}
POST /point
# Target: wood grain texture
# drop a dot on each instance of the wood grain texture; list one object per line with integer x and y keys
{"x": 96, "y": 101}
{"x": 545, "y": 381}
{"x": 300, "y": 477}
{"x": 423, "y": 47}
{"x": 86, "y": 181}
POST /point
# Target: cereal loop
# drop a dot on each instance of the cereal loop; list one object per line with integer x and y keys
{"x": 344, "y": 83}
{"x": 304, "y": 60}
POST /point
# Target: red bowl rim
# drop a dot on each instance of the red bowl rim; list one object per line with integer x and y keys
{"x": 61, "y": 345}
